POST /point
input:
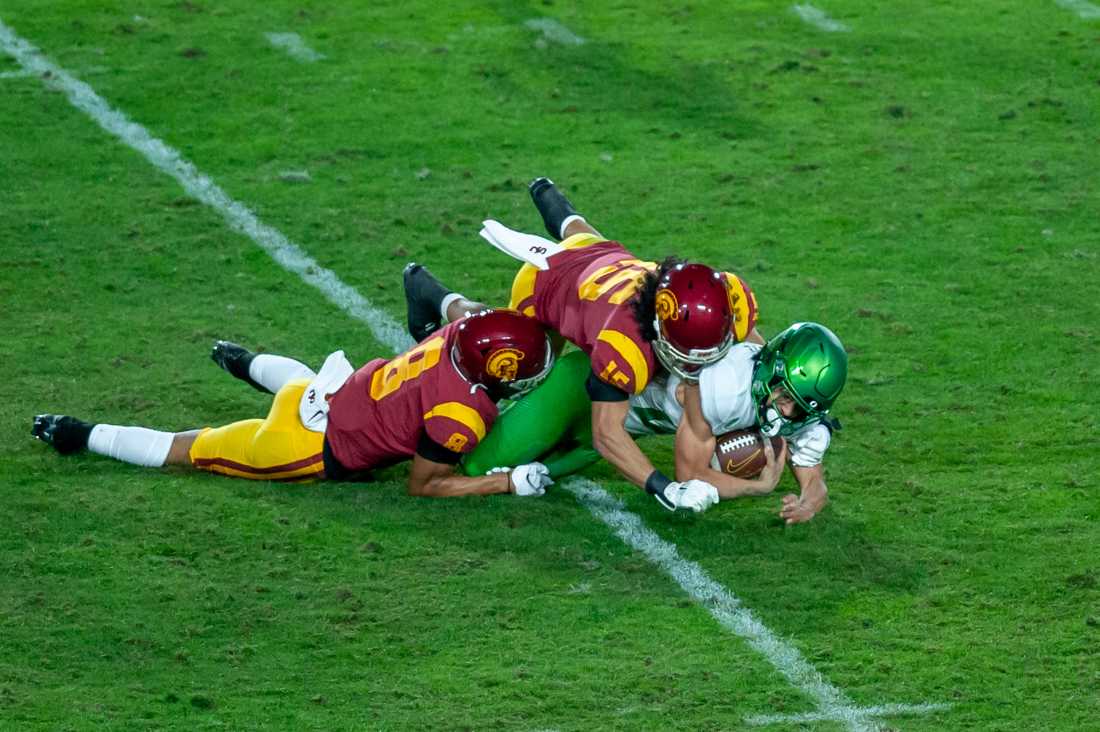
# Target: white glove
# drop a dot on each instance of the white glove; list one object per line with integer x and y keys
{"x": 697, "y": 495}
{"x": 530, "y": 479}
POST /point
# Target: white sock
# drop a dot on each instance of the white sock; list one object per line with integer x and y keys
{"x": 272, "y": 372}
{"x": 447, "y": 303}
{"x": 569, "y": 220}
{"x": 135, "y": 445}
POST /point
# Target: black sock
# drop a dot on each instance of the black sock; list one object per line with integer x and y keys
{"x": 239, "y": 367}
{"x": 552, "y": 204}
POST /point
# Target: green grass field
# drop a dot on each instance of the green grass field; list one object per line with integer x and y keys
{"x": 925, "y": 183}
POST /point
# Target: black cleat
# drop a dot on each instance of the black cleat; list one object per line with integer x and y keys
{"x": 552, "y": 204}
{"x": 424, "y": 296}
{"x": 66, "y": 434}
{"x": 235, "y": 359}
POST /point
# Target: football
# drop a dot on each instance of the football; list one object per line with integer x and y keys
{"x": 741, "y": 453}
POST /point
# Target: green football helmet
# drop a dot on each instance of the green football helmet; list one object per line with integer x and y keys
{"x": 809, "y": 363}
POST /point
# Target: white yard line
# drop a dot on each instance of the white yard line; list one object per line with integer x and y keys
{"x": 819, "y": 19}
{"x": 832, "y": 703}
{"x": 882, "y": 710}
{"x": 24, "y": 73}
{"x": 239, "y": 218}
{"x": 1084, "y": 9}
{"x": 554, "y": 31}
{"x": 294, "y": 46}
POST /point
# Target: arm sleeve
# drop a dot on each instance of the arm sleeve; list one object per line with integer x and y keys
{"x": 600, "y": 391}
{"x": 429, "y": 449}
{"x": 809, "y": 445}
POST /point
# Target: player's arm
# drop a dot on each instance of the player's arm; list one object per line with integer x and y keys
{"x": 433, "y": 476}
{"x": 695, "y": 444}
{"x": 614, "y": 443}
{"x": 610, "y": 406}
{"x": 430, "y": 479}
{"x": 814, "y": 495}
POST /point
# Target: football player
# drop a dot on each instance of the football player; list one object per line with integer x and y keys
{"x": 431, "y": 404}
{"x": 785, "y": 388}
{"x": 635, "y": 320}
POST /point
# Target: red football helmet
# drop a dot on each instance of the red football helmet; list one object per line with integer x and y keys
{"x": 507, "y": 353}
{"x": 693, "y": 320}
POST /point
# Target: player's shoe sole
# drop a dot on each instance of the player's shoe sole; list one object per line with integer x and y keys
{"x": 423, "y": 296}
{"x": 65, "y": 434}
{"x": 235, "y": 359}
{"x": 552, "y": 204}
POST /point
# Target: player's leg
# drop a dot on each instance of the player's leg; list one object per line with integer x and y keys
{"x": 540, "y": 422}
{"x": 430, "y": 303}
{"x": 278, "y": 447}
{"x": 135, "y": 445}
{"x": 558, "y": 214}
{"x": 571, "y": 457}
{"x": 180, "y": 453}
{"x": 575, "y": 452}
{"x": 263, "y": 371}
{"x": 275, "y": 448}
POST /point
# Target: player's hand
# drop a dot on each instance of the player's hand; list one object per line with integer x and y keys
{"x": 696, "y": 495}
{"x": 773, "y": 471}
{"x": 794, "y": 511}
{"x": 530, "y": 479}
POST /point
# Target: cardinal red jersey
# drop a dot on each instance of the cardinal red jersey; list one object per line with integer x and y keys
{"x": 584, "y": 295}
{"x": 378, "y": 415}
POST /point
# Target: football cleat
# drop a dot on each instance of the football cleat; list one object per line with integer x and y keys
{"x": 423, "y": 295}
{"x": 66, "y": 434}
{"x": 235, "y": 359}
{"x": 552, "y": 204}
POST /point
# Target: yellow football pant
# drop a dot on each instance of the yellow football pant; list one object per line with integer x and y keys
{"x": 277, "y": 448}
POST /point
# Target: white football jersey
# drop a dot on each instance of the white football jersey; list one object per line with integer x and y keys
{"x": 726, "y": 391}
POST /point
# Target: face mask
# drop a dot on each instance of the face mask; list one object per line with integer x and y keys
{"x": 773, "y": 420}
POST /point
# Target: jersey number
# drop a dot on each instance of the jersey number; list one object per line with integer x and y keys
{"x": 611, "y": 373}
{"x": 456, "y": 442}
{"x": 390, "y": 377}
{"x": 620, "y": 279}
